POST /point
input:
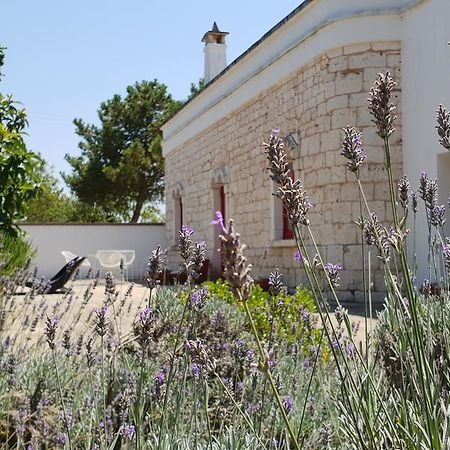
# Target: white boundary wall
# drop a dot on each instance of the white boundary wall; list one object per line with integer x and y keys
{"x": 83, "y": 239}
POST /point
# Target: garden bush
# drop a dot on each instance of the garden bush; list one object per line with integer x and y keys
{"x": 15, "y": 253}
{"x": 284, "y": 316}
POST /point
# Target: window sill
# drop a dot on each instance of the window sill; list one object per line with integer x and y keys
{"x": 284, "y": 243}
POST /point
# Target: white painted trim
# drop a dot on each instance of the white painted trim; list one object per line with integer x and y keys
{"x": 321, "y": 26}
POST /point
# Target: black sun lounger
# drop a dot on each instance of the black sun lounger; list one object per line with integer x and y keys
{"x": 58, "y": 281}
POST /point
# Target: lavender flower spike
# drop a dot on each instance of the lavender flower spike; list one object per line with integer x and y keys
{"x": 404, "y": 189}
{"x": 218, "y": 221}
{"x": 298, "y": 257}
{"x": 443, "y": 126}
{"x": 185, "y": 245}
{"x": 332, "y": 271}
{"x": 288, "y": 404}
{"x": 154, "y": 267}
{"x": 352, "y": 149}
{"x": 446, "y": 254}
{"x": 275, "y": 133}
{"x": 380, "y": 105}
{"x": 50, "y": 330}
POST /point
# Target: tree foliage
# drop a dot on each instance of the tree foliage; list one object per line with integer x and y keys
{"x": 52, "y": 205}
{"x": 120, "y": 168}
{"x": 19, "y": 182}
{"x": 19, "y": 167}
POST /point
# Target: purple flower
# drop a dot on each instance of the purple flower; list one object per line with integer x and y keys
{"x": 437, "y": 216}
{"x": 332, "y": 270}
{"x": 187, "y": 231}
{"x": 101, "y": 322}
{"x": 195, "y": 370}
{"x": 352, "y": 149}
{"x": 307, "y": 363}
{"x": 288, "y": 404}
{"x": 446, "y": 254}
{"x": 185, "y": 245}
{"x": 60, "y": 439}
{"x": 298, "y": 257}
{"x": 128, "y": 432}
{"x": 146, "y": 315}
{"x": 160, "y": 377}
{"x": 350, "y": 349}
{"x": 50, "y": 330}
{"x": 198, "y": 298}
{"x": 218, "y": 221}
{"x": 144, "y": 328}
{"x": 275, "y": 133}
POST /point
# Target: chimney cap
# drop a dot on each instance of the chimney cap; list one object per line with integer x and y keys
{"x": 215, "y": 35}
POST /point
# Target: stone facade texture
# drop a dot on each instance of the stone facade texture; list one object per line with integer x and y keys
{"x": 315, "y": 103}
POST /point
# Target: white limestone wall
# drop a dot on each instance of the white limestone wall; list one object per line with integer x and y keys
{"x": 322, "y": 25}
{"x": 85, "y": 239}
{"x": 421, "y": 26}
{"x": 425, "y": 83}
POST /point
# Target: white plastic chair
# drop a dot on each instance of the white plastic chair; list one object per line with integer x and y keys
{"x": 110, "y": 260}
{"x": 69, "y": 256}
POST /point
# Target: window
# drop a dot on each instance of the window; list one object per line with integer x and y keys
{"x": 281, "y": 227}
{"x": 288, "y": 232}
{"x": 178, "y": 219}
{"x": 220, "y": 186}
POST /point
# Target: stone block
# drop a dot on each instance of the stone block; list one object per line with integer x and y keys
{"x": 385, "y": 45}
{"x": 363, "y": 117}
{"x": 345, "y": 233}
{"x": 394, "y": 60}
{"x": 340, "y": 118}
{"x": 348, "y": 192}
{"x": 330, "y": 160}
{"x": 358, "y": 99}
{"x": 371, "y": 75}
{"x": 368, "y": 59}
{"x": 349, "y": 82}
{"x": 338, "y": 173}
{"x": 335, "y": 52}
{"x": 323, "y": 233}
{"x": 332, "y": 192}
{"x": 342, "y": 212}
{"x": 330, "y": 140}
{"x": 351, "y": 279}
{"x": 338, "y": 102}
{"x": 352, "y": 257}
{"x": 356, "y": 48}
{"x": 337, "y": 64}
{"x": 334, "y": 253}
{"x": 323, "y": 175}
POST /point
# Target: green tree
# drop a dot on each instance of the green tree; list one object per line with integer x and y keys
{"x": 19, "y": 167}
{"x": 19, "y": 182}
{"x": 196, "y": 88}
{"x": 120, "y": 168}
{"x": 52, "y": 205}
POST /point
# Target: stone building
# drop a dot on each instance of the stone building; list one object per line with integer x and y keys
{"x": 310, "y": 76}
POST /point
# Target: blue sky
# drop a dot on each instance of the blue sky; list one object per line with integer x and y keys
{"x": 65, "y": 57}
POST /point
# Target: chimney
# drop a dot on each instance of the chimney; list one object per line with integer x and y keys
{"x": 215, "y": 52}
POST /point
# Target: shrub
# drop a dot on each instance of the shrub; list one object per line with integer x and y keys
{"x": 15, "y": 253}
{"x": 287, "y": 317}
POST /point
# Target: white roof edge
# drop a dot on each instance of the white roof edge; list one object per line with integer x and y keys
{"x": 320, "y": 27}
